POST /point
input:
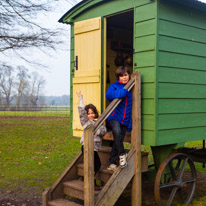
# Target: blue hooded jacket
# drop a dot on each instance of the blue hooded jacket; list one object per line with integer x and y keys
{"x": 123, "y": 112}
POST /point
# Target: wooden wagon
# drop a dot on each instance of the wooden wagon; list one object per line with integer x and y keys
{"x": 165, "y": 41}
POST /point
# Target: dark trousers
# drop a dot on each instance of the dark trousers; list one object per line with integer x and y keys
{"x": 97, "y": 161}
{"x": 119, "y": 132}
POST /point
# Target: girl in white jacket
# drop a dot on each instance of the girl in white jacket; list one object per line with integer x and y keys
{"x": 87, "y": 115}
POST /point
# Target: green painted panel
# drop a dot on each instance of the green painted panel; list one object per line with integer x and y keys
{"x": 145, "y": 59}
{"x": 182, "y": 14}
{"x": 182, "y": 46}
{"x": 182, "y": 31}
{"x": 181, "y": 135}
{"x": 145, "y": 28}
{"x": 148, "y": 138}
{"x": 181, "y": 75}
{"x": 72, "y": 43}
{"x": 167, "y": 90}
{"x": 173, "y": 121}
{"x": 145, "y": 43}
{"x": 148, "y": 106}
{"x": 106, "y": 8}
{"x": 166, "y": 106}
{"x": 145, "y": 12}
{"x": 148, "y": 122}
{"x": 181, "y": 61}
{"x": 71, "y": 78}
{"x": 145, "y": 62}
{"x": 148, "y": 90}
{"x": 72, "y": 66}
{"x": 147, "y": 74}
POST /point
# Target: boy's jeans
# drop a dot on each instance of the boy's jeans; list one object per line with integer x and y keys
{"x": 118, "y": 131}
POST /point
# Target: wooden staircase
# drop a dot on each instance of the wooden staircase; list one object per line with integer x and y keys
{"x": 76, "y": 185}
{"x": 72, "y": 185}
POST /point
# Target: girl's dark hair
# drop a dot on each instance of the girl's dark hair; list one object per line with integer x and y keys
{"x": 93, "y": 108}
{"x": 120, "y": 72}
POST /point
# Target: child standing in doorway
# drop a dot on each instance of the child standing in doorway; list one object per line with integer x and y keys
{"x": 120, "y": 120}
{"x": 87, "y": 115}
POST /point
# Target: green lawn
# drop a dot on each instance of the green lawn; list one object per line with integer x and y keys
{"x": 35, "y": 149}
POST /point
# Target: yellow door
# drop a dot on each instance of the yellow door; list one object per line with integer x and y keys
{"x": 87, "y": 79}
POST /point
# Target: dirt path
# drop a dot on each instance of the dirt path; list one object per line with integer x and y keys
{"x": 33, "y": 198}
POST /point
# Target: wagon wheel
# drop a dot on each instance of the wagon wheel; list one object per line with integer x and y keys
{"x": 175, "y": 180}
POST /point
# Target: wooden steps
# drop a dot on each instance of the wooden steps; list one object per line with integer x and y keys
{"x": 102, "y": 175}
{"x": 63, "y": 202}
{"x": 75, "y": 188}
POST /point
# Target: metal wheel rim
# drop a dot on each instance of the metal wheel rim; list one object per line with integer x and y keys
{"x": 161, "y": 169}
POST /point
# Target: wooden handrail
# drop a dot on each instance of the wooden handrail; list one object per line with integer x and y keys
{"x": 112, "y": 106}
{"x": 89, "y": 147}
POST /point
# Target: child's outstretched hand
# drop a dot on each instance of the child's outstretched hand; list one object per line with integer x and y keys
{"x": 79, "y": 94}
{"x": 80, "y": 97}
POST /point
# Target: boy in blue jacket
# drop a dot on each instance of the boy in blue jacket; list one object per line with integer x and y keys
{"x": 120, "y": 119}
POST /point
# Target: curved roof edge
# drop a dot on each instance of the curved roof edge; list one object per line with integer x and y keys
{"x": 76, "y": 10}
{"x": 67, "y": 18}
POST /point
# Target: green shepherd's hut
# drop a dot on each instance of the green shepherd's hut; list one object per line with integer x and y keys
{"x": 165, "y": 41}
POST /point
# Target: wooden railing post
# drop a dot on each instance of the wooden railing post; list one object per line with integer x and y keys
{"x": 136, "y": 140}
{"x": 46, "y": 197}
{"x": 89, "y": 166}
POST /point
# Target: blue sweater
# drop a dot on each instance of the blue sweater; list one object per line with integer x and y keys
{"x": 123, "y": 112}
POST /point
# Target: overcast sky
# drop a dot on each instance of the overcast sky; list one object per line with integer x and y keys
{"x": 57, "y": 75}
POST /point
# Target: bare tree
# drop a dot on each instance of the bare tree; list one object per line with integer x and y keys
{"x": 6, "y": 84}
{"x": 37, "y": 86}
{"x": 21, "y": 28}
{"x": 18, "y": 28}
{"x": 22, "y": 84}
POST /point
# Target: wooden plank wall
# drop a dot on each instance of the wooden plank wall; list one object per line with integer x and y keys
{"x": 145, "y": 15}
{"x": 181, "y": 74}
{"x": 71, "y": 76}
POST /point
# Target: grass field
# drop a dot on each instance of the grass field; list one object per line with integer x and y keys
{"x": 58, "y": 113}
{"x": 35, "y": 149}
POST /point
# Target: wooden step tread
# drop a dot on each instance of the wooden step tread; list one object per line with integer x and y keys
{"x": 63, "y": 202}
{"x": 102, "y": 169}
{"x": 105, "y": 149}
{"x": 109, "y": 136}
{"x": 77, "y": 185}
{"x": 102, "y": 175}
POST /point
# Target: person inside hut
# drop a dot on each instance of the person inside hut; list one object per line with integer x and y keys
{"x": 87, "y": 115}
{"x": 120, "y": 120}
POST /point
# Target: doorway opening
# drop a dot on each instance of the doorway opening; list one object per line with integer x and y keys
{"x": 119, "y": 44}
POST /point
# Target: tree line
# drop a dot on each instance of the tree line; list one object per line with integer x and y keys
{"x": 20, "y": 88}
{"x": 18, "y": 40}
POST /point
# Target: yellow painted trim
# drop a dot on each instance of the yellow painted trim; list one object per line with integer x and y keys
{"x": 87, "y": 78}
{"x": 88, "y": 73}
{"x": 105, "y": 60}
{"x": 87, "y": 25}
{"x": 83, "y": 80}
{"x": 77, "y": 133}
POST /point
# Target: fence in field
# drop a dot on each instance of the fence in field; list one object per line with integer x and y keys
{"x": 35, "y": 110}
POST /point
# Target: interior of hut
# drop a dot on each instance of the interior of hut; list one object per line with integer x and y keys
{"x": 119, "y": 46}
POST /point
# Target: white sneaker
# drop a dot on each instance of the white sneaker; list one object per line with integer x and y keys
{"x": 122, "y": 160}
{"x": 112, "y": 167}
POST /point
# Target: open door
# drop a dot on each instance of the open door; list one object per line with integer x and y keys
{"x": 119, "y": 44}
{"x": 87, "y": 73}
